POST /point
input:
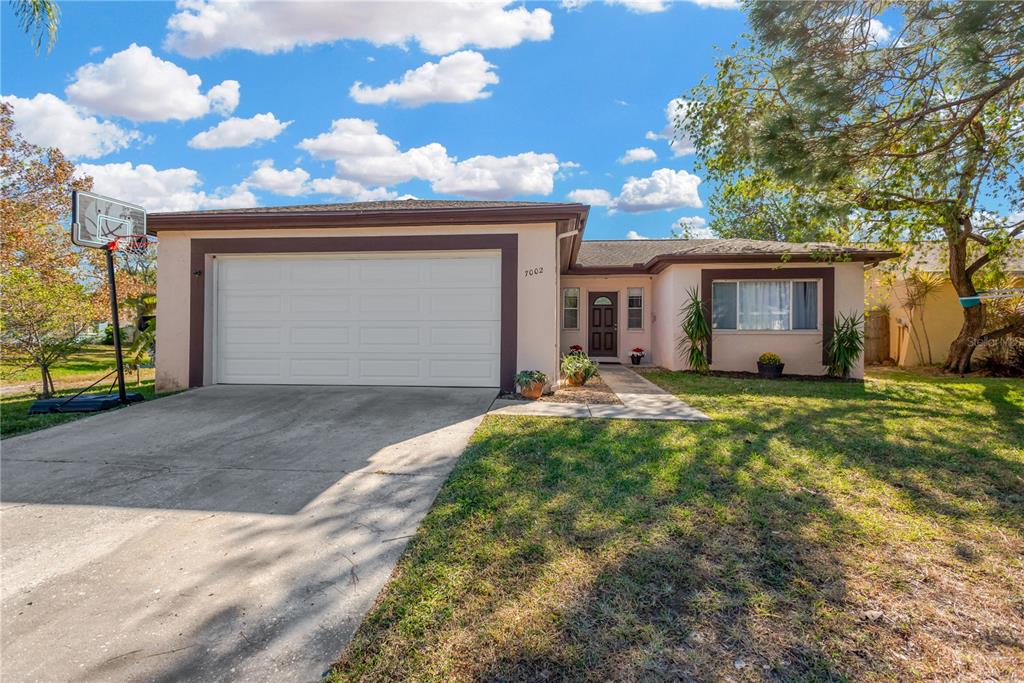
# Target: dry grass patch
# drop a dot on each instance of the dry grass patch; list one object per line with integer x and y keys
{"x": 812, "y": 531}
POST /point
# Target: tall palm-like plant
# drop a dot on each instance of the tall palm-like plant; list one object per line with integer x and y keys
{"x": 39, "y": 19}
{"x": 696, "y": 332}
{"x": 846, "y": 344}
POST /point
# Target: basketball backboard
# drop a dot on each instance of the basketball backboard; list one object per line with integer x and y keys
{"x": 96, "y": 221}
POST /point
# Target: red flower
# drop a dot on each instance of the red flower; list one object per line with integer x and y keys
{"x": 575, "y": 347}
{"x": 638, "y": 349}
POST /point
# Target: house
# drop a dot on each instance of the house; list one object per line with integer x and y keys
{"x": 911, "y": 323}
{"x": 459, "y": 293}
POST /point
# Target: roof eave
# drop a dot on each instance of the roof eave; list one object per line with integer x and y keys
{"x": 157, "y": 222}
{"x": 661, "y": 262}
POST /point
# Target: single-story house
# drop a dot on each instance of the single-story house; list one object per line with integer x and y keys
{"x": 909, "y": 327}
{"x": 466, "y": 293}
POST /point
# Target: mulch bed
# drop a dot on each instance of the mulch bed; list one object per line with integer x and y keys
{"x": 595, "y": 392}
{"x": 753, "y": 375}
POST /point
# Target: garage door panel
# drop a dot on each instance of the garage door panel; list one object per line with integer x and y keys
{"x": 344, "y": 319}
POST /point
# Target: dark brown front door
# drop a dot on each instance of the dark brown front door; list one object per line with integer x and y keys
{"x": 604, "y": 327}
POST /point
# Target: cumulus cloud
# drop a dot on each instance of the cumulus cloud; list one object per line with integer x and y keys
{"x": 278, "y": 181}
{"x": 694, "y": 227}
{"x": 594, "y": 197}
{"x": 459, "y": 77}
{"x": 663, "y": 190}
{"x": 48, "y": 121}
{"x": 236, "y": 132}
{"x": 634, "y": 235}
{"x": 171, "y": 189}
{"x": 349, "y": 189}
{"x": 651, "y": 6}
{"x": 363, "y": 154}
{"x": 204, "y": 27}
{"x": 138, "y": 85}
{"x": 680, "y": 144}
{"x": 638, "y": 154}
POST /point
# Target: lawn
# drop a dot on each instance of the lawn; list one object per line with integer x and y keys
{"x": 70, "y": 376}
{"x": 813, "y": 531}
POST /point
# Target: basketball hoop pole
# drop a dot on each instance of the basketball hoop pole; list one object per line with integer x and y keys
{"x": 121, "y": 393}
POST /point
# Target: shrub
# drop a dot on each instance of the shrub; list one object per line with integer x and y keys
{"x": 846, "y": 344}
{"x": 525, "y": 378}
{"x": 578, "y": 367}
{"x": 1005, "y": 357}
{"x": 696, "y": 333}
{"x": 769, "y": 358}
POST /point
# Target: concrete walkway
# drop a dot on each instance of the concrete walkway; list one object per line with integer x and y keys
{"x": 641, "y": 400}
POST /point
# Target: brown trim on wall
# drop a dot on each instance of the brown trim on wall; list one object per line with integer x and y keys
{"x": 828, "y": 294}
{"x": 508, "y": 244}
{"x": 277, "y": 220}
{"x": 660, "y": 263}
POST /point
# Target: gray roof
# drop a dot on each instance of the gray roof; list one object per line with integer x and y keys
{"x": 933, "y": 257}
{"x": 389, "y": 205}
{"x": 622, "y": 253}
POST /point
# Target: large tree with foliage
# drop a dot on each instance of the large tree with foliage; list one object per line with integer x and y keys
{"x": 828, "y": 124}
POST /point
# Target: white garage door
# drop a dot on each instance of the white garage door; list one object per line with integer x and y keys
{"x": 416, "y": 319}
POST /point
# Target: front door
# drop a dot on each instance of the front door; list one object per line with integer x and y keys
{"x": 604, "y": 327}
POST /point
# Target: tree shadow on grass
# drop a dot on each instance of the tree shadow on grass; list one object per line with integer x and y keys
{"x": 602, "y": 550}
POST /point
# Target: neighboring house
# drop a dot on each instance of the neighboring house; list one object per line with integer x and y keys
{"x": 907, "y": 325}
{"x": 457, "y": 293}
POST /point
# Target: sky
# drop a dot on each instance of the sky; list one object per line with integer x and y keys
{"x": 201, "y": 104}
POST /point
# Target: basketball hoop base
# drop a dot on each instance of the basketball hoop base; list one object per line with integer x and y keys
{"x": 89, "y": 403}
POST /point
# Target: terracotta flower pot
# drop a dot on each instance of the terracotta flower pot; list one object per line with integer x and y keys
{"x": 532, "y": 391}
{"x": 575, "y": 380}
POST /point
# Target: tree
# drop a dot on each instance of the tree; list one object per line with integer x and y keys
{"x": 39, "y": 19}
{"x": 43, "y": 319}
{"x": 838, "y": 131}
{"x": 50, "y": 294}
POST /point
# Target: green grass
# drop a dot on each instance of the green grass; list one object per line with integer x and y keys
{"x": 94, "y": 359}
{"x": 14, "y": 417}
{"x": 813, "y": 531}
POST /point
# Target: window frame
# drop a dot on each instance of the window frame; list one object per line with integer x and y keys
{"x": 567, "y": 308}
{"x": 634, "y": 308}
{"x": 790, "y": 330}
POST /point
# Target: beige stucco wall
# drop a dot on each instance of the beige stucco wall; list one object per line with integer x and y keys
{"x": 737, "y": 350}
{"x": 536, "y": 341}
{"x": 628, "y": 339}
{"x": 936, "y": 324}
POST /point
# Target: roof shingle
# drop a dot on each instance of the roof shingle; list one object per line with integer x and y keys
{"x": 626, "y": 253}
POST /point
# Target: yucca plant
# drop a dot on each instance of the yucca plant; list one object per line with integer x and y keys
{"x": 846, "y": 344}
{"x": 696, "y": 333}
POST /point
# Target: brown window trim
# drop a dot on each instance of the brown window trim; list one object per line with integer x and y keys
{"x": 508, "y": 244}
{"x": 828, "y": 293}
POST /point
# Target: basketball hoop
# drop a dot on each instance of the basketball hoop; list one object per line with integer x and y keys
{"x": 130, "y": 244}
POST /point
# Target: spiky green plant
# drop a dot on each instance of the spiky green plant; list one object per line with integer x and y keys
{"x": 693, "y": 345}
{"x": 846, "y": 344}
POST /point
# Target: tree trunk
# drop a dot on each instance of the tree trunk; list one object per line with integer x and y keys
{"x": 47, "y": 391}
{"x": 962, "y": 348}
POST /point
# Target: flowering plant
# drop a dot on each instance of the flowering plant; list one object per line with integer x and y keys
{"x": 575, "y": 348}
{"x": 638, "y": 351}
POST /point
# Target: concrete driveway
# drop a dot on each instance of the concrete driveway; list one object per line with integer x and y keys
{"x": 226, "y": 533}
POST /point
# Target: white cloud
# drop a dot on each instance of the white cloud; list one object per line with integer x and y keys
{"x": 694, "y": 227}
{"x": 204, "y": 27}
{"x": 663, "y": 190}
{"x": 459, "y": 77}
{"x": 171, "y": 189}
{"x": 638, "y": 154}
{"x": 138, "y": 85}
{"x": 681, "y": 145}
{"x": 717, "y": 4}
{"x": 650, "y": 6}
{"x": 224, "y": 97}
{"x": 48, "y": 121}
{"x": 362, "y": 154}
{"x": 350, "y": 189}
{"x": 278, "y": 181}
{"x": 594, "y": 197}
{"x": 95, "y": 49}
{"x": 634, "y": 235}
{"x": 641, "y": 6}
{"x": 236, "y": 132}
{"x": 493, "y": 177}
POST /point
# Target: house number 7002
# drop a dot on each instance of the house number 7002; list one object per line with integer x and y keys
{"x": 533, "y": 271}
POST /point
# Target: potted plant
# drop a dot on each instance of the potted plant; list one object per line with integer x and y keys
{"x": 576, "y": 349}
{"x": 637, "y": 355}
{"x": 769, "y": 365}
{"x": 531, "y": 383}
{"x": 578, "y": 368}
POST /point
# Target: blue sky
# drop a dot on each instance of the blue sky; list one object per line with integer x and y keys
{"x": 535, "y": 101}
